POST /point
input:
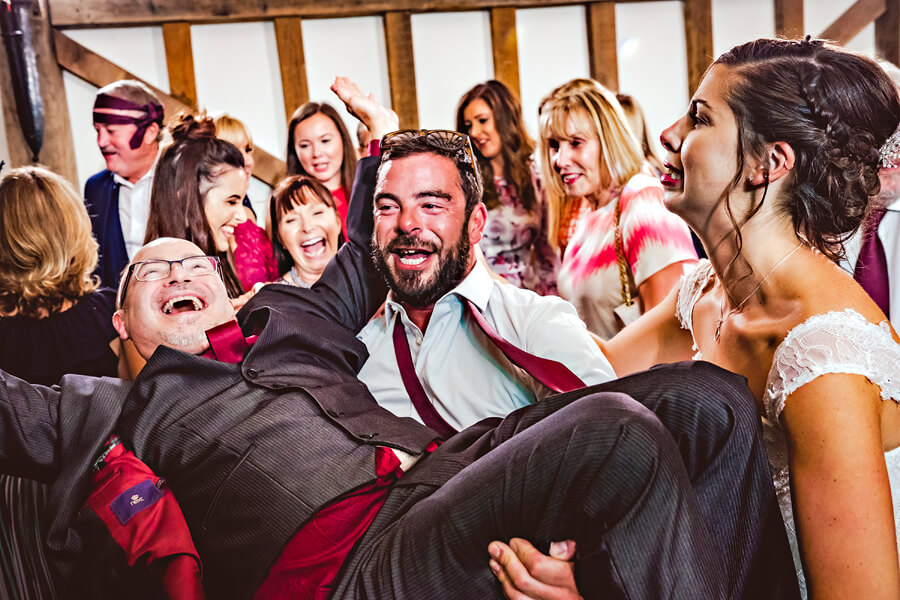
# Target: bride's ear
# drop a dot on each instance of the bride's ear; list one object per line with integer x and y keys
{"x": 779, "y": 160}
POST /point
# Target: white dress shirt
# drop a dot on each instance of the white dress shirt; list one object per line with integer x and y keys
{"x": 889, "y": 234}
{"x": 134, "y": 210}
{"x": 465, "y": 375}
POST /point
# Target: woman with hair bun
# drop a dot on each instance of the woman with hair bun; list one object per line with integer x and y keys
{"x": 197, "y": 195}
{"x": 775, "y": 166}
{"x": 319, "y": 146}
{"x": 515, "y": 242}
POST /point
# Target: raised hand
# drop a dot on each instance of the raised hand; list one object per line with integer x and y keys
{"x": 379, "y": 119}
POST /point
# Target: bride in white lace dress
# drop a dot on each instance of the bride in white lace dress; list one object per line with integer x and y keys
{"x": 773, "y": 166}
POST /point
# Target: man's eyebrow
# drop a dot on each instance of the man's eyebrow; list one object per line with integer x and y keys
{"x": 385, "y": 196}
{"x": 434, "y": 194}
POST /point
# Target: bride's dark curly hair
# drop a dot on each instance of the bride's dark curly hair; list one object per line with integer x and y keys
{"x": 834, "y": 108}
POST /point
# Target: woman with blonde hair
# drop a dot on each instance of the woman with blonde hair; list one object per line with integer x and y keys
{"x": 622, "y": 249}
{"x": 53, "y": 318}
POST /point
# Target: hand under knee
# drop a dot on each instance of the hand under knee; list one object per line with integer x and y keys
{"x": 527, "y": 574}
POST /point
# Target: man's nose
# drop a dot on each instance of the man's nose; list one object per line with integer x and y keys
{"x": 177, "y": 273}
{"x": 409, "y": 220}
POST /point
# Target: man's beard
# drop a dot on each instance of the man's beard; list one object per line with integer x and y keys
{"x": 408, "y": 287}
{"x": 181, "y": 339}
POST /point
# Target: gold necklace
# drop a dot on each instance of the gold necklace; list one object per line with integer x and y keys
{"x": 723, "y": 316}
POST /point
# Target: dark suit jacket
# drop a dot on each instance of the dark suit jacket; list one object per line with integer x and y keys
{"x": 101, "y": 198}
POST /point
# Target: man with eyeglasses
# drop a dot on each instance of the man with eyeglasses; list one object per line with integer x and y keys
{"x": 284, "y": 459}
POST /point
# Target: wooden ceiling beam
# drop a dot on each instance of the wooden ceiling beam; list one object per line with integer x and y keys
{"x": 292, "y": 62}
{"x": 109, "y": 13}
{"x": 602, "y": 51}
{"x": 401, "y": 68}
{"x": 854, "y": 20}
{"x": 505, "y": 48}
{"x": 789, "y": 18}
{"x": 699, "y": 40}
{"x": 180, "y": 62}
{"x": 887, "y": 32}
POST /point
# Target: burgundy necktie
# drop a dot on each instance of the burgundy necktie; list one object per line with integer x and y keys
{"x": 414, "y": 388}
{"x": 871, "y": 268}
{"x": 551, "y": 373}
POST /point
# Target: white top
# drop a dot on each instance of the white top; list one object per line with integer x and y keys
{"x": 889, "y": 233}
{"x": 465, "y": 375}
{"x": 134, "y": 210}
{"x": 833, "y": 342}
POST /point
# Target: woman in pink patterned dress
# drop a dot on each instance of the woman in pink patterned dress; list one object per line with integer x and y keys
{"x": 515, "y": 239}
{"x": 596, "y": 175}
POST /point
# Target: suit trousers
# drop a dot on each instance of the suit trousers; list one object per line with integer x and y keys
{"x": 661, "y": 479}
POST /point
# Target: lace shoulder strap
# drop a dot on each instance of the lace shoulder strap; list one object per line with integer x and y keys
{"x": 833, "y": 342}
{"x": 692, "y": 284}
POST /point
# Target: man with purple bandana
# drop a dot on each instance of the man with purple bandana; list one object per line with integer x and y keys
{"x": 128, "y": 120}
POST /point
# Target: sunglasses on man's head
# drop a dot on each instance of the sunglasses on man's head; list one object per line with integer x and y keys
{"x": 439, "y": 139}
{"x": 156, "y": 269}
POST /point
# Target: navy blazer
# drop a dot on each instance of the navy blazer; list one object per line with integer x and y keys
{"x": 101, "y": 198}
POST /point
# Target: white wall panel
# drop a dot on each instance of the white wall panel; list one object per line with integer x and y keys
{"x": 653, "y": 60}
{"x": 553, "y": 49}
{"x": 739, "y": 21}
{"x": 80, "y": 97}
{"x": 236, "y": 69}
{"x": 351, "y": 47}
{"x": 452, "y": 53}
{"x": 140, "y": 50}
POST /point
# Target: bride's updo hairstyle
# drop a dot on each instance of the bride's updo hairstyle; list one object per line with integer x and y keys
{"x": 834, "y": 108}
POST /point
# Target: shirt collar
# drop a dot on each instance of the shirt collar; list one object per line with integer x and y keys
{"x": 149, "y": 174}
{"x": 476, "y": 286}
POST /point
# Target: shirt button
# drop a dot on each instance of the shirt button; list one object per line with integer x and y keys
{"x": 418, "y": 341}
{"x": 252, "y": 373}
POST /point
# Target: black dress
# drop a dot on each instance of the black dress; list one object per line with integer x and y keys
{"x": 73, "y": 341}
{"x": 43, "y": 350}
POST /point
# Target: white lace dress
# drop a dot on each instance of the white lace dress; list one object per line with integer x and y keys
{"x": 833, "y": 342}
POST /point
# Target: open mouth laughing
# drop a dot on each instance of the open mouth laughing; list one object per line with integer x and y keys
{"x": 313, "y": 247}
{"x": 185, "y": 303}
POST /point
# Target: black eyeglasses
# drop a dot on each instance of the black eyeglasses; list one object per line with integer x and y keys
{"x": 439, "y": 139}
{"x": 154, "y": 270}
